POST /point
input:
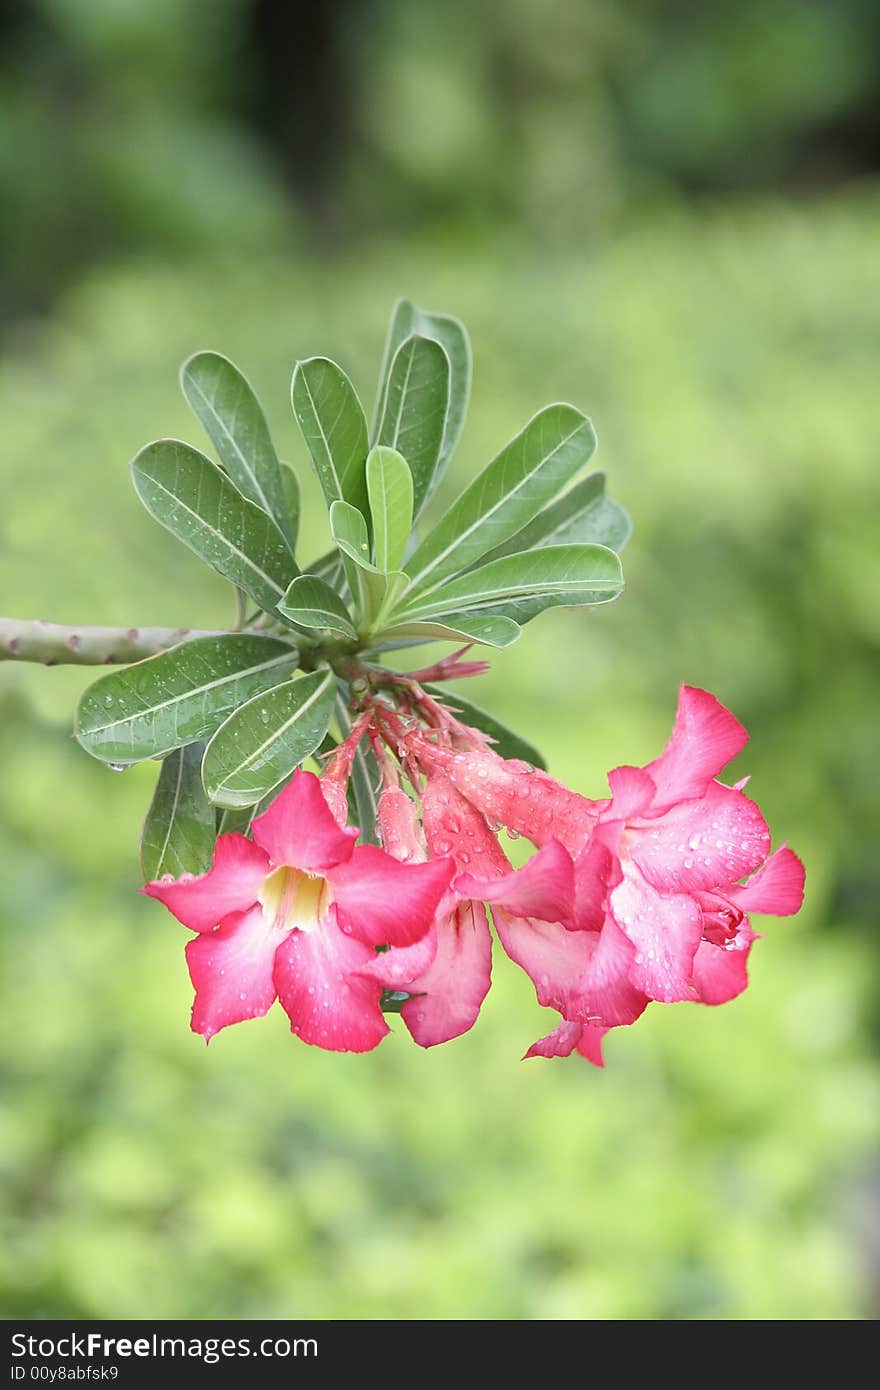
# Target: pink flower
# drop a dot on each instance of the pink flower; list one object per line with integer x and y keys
{"x": 447, "y": 973}
{"x": 296, "y": 914}
{"x": 656, "y": 908}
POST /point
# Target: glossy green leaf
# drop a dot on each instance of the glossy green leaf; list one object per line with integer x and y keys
{"x": 390, "y": 490}
{"x": 505, "y": 741}
{"x": 231, "y": 821}
{"x": 584, "y": 573}
{"x": 292, "y": 504}
{"x": 333, "y": 425}
{"x": 488, "y": 630}
{"x": 225, "y": 402}
{"x": 523, "y": 478}
{"x": 413, "y": 419}
{"x": 240, "y": 818}
{"x": 366, "y": 778}
{"x": 179, "y": 830}
{"x": 265, "y": 739}
{"x": 310, "y": 602}
{"x": 376, "y": 592}
{"x": 181, "y": 695}
{"x": 585, "y": 515}
{"x": 407, "y": 318}
{"x": 191, "y": 497}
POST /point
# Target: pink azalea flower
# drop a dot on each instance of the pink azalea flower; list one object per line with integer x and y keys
{"x": 296, "y": 914}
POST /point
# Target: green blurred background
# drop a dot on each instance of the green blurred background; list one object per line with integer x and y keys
{"x": 665, "y": 212}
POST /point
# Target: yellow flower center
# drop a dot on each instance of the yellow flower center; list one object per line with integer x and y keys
{"x": 292, "y": 898}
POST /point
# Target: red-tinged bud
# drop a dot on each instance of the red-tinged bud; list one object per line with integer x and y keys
{"x": 511, "y": 793}
{"x": 402, "y": 835}
{"x": 455, "y": 827}
{"x": 337, "y": 773}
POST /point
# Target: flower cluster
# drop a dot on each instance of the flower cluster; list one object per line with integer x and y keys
{"x": 643, "y": 895}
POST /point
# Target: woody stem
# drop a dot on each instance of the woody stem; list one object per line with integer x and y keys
{"x": 56, "y": 644}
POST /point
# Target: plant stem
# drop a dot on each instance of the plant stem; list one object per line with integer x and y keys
{"x": 56, "y": 644}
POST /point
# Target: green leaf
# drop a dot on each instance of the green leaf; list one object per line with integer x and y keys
{"x": 240, "y": 818}
{"x": 583, "y": 573}
{"x": 224, "y": 401}
{"x": 365, "y": 776}
{"x": 195, "y": 501}
{"x": 413, "y": 418}
{"x": 406, "y": 319}
{"x": 330, "y": 568}
{"x": 292, "y": 504}
{"x": 229, "y": 821}
{"x": 263, "y": 740}
{"x": 519, "y": 481}
{"x": 390, "y": 489}
{"x": 350, "y": 533}
{"x": 333, "y": 425}
{"x": 179, "y": 831}
{"x": 488, "y": 630}
{"x": 181, "y": 695}
{"x": 585, "y": 515}
{"x": 312, "y": 603}
{"x": 506, "y": 742}
{"x": 375, "y": 591}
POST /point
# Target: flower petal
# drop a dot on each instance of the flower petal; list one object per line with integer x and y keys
{"x": 299, "y": 828}
{"x": 585, "y": 1037}
{"x": 596, "y": 871}
{"x": 231, "y": 970}
{"x": 543, "y": 887}
{"x": 328, "y": 1003}
{"x": 607, "y": 988}
{"x": 399, "y": 966}
{"x": 230, "y": 885}
{"x": 703, "y": 844}
{"x": 457, "y": 981}
{"x": 632, "y": 792}
{"x": 720, "y": 972}
{"x": 704, "y": 739}
{"x": 585, "y": 976}
{"x": 560, "y": 1043}
{"x": 777, "y": 888}
{"x": 665, "y": 932}
{"x": 382, "y": 901}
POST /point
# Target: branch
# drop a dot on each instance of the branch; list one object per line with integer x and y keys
{"x": 55, "y": 644}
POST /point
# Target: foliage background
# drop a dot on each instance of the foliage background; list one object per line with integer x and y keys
{"x": 664, "y": 212}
